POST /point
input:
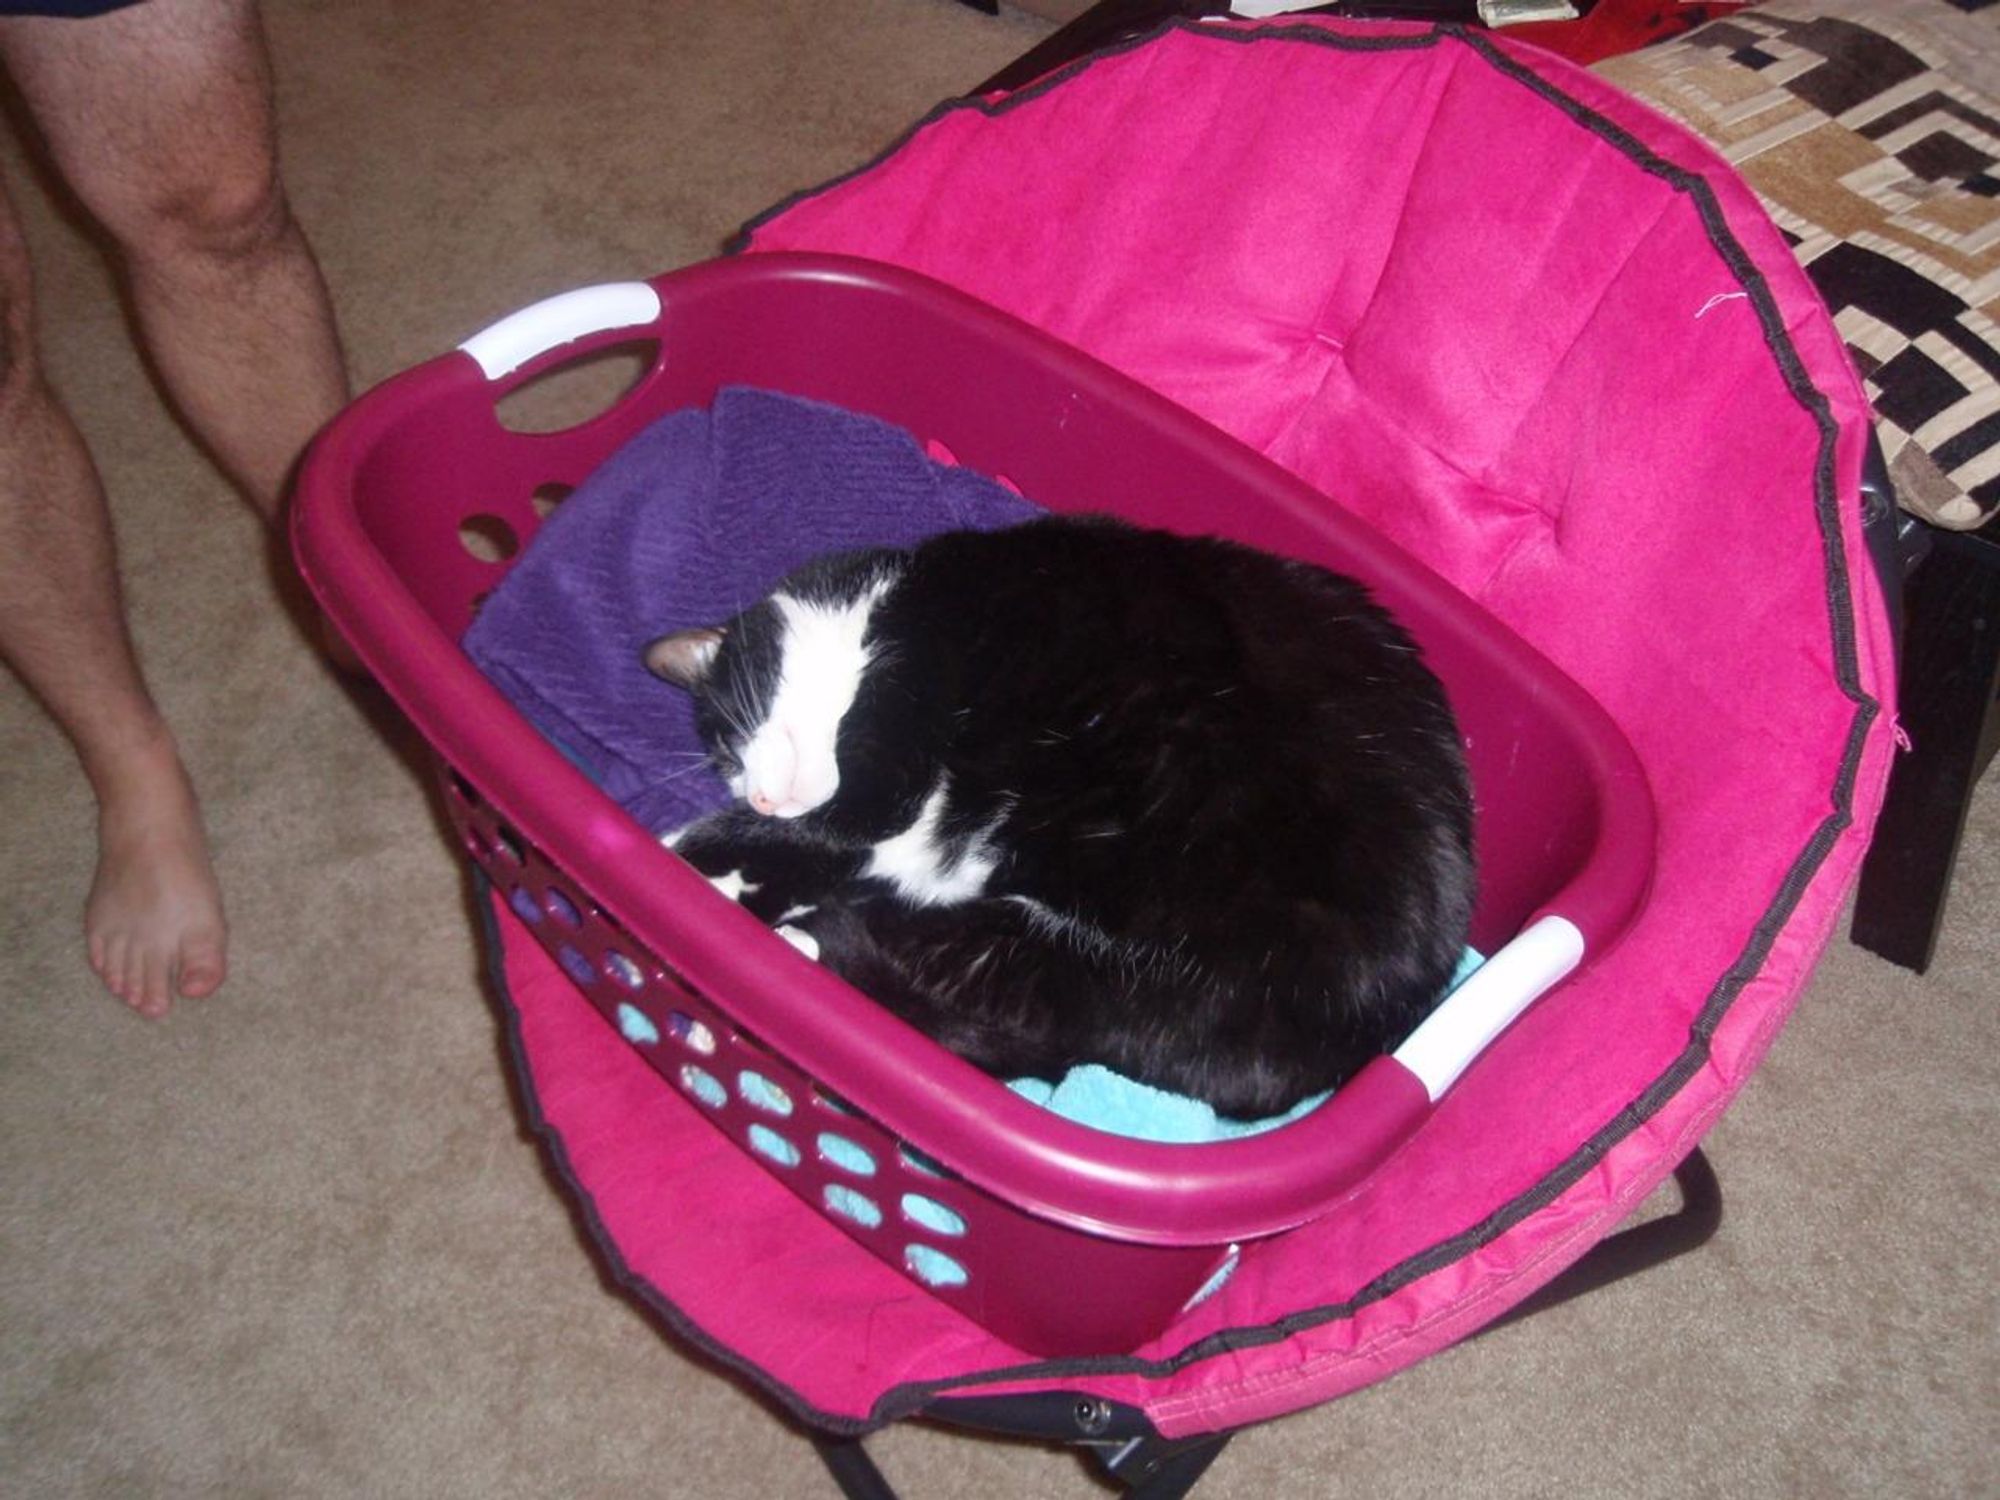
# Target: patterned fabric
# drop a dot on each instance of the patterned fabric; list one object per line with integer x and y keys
{"x": 1871, "y": 129}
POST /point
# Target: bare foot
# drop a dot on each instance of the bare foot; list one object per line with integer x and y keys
{"x": 154, "y": 921}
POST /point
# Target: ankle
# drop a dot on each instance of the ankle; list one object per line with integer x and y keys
{"x": 138, "y": 768}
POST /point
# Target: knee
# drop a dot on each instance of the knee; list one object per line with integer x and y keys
{"x": 215, "y": 218}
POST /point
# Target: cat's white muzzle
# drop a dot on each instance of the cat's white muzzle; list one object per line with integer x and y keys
{"x": 785, "y": 777}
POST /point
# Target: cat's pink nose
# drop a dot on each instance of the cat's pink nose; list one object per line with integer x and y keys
{"x": 781, "y": 781}
{"x": 771, "y": 765}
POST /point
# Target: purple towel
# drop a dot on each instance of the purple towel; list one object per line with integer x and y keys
{"x": 696, "y": 517}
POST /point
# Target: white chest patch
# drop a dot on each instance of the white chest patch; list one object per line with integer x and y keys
{"x": 789, "y": 767}
{"x": 927, "y": 870}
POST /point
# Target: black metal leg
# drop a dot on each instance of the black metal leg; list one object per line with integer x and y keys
{"x": 1156, "y": 1469}
{"x": 1639, "y": 1248}
{"x": 1151, "y": 1467}
{"x": 1951, "y": 667}
{"x": 852, "y": 1469}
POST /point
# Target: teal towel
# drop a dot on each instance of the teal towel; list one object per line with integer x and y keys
{"x": 1093, "y": 1095}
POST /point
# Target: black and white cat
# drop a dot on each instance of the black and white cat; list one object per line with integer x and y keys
{"x": 1080, "y": 792}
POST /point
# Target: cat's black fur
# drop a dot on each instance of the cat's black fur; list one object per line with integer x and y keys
{"x": 1226, "y": 802}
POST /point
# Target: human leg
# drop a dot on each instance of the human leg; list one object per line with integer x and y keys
{"x": 160, "y": 119}
{"x": 154, "y": 922}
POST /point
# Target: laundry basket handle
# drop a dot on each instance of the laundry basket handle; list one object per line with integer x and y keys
{"x": 548, "y": 325}
{"x": 1490, "y": 999}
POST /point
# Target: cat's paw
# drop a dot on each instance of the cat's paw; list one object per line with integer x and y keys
{"x": 733, "y": 885}
{"x": 800, "y": 939}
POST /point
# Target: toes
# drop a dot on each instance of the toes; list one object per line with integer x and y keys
{"x": 148, "y": 979}
{"x": 150, "y": 986}
{"x": 202, "y": 968}
{"x": 197, "y": 981}
{"x": 200, "y": 983}
{"x": 114, "y": 971}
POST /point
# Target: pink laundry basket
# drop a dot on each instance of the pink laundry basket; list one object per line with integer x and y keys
{"x": 1446, "y": 314}
{"x": 1061, "y": 1239}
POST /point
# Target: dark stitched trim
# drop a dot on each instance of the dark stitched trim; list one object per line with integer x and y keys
{"x": 995, "y": 108}
{"x": 910, "y": 1398}
{"x": 629, "y": 1281}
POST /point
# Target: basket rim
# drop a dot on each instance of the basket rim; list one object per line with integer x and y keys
{"x": 1050, "y": 1167}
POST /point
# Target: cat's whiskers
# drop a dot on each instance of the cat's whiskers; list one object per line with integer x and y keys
{"x": 740, "y": 711}
{"x": 701, "y": 763}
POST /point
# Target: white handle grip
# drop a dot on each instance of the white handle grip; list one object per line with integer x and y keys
{"x": 1490, "y": 998}
{"x": 558, "y": 320}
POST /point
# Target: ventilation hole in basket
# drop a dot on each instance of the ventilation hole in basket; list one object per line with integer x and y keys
{"x": 559, "y": 906}
{"x": 622, "y": 969}
{"x": 767, "y": 1142}
{"x": 579, "y": 968}
{"x": 916, "y": 1161}
{"x": 690, "y": 1033}
{"x": 704, "y": 1085}
{"x": 862, "y": 1209}
{"x": 488, "y": 538}
{"x": 933, "y": 1267}
{"x": 636, "y": 1026}
{"x": 462, "y": 788}
{"x": 846, "y": 1154}
{"x": 831, "y": 1101}
{"x": 759, "y": 1092}
{"x": 1216, "y": 1282}
{"x": 578, "y": 389}
{"x": 932, "y": 1215}
{"x": 506, "y": 843}
{"x": 526, "y": 907}
{"x": 942, "y": 454}
{"x": 547, "y": 497}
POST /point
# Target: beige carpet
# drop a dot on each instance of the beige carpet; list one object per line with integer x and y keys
{"x": 292, "y": 1242}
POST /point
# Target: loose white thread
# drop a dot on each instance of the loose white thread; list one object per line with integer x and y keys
{"x": 1719, "y": 298}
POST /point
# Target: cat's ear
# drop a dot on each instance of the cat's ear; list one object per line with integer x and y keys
{"x": 684, "y": 657}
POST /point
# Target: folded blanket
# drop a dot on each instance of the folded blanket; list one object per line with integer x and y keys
{"x": 1093, "y": 1095}
{"x": 693, "y": 519}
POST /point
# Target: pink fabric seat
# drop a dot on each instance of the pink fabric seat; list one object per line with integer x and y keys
{"x": 1545, "y": 341}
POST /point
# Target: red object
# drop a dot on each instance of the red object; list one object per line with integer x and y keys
{"x": 1615, "y": 26}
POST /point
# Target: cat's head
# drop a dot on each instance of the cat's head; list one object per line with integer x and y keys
{"x": 772, "y": 685}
